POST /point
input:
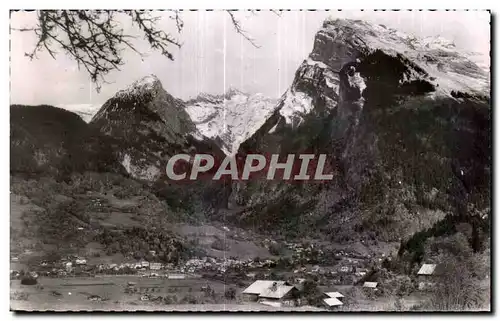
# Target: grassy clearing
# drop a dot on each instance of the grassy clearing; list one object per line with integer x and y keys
{"x": 68, "y": 292}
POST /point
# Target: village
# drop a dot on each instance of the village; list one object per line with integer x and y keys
{"x": 307, "y": 276}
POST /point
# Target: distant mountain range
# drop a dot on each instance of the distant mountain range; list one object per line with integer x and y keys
{"x": 406, "y": 123}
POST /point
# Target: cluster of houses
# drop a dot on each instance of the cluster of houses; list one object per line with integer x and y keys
{"x": 76, "y": 265}
{"x": 333, "y": 299}
{"x": 283, "y": 293}
{"x": 222, "y": 265}
{"x": 139, "y": 266}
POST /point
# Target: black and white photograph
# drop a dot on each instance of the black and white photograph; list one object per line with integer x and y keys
{"x": 250, "y": 160}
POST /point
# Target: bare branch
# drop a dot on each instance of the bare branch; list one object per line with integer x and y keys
{"x": 158, "y": 39}
{"x": 178, "y": 20}
{"x": 95, "y": 40}
{"x": 240, "y": 30}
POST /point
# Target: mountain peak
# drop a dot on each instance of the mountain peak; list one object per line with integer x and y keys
{"x": 230, "y": 117}
{"x": 342, "y": 41}
{"x": 139, "y": 87}
{"x": 233, "y": 92}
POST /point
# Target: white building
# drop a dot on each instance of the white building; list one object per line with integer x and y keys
{"x": 332, "y": 302}
{"x": 427, "y": 269}
{"x": 371, "y": 285}
{"x": 336, "y": 295}
{"x": 279, "y": 292}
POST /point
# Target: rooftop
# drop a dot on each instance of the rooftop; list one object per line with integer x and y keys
{"x": 332, "y": 302}
{"x": 277, "y": 293}
{"x": 370, "y": 284}
{"x": 269, "y": 289}
{"x": 427, "y": 269}
{"x": 334, "y": 294}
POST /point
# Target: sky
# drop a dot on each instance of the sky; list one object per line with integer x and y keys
{"x": 213, "y": 57}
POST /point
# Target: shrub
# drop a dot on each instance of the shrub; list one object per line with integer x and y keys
{"x": 275, "y": 249}
{"x": 189, "y": 299}
{"x": 456, "y": 290}
{"x": 28, "y": 280}
{"x": 230, "y": 294}
{"x": 219, "y": 244}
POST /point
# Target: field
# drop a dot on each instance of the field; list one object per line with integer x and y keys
{"x": 75, "y": 292}
{"x": 71, "y": 292}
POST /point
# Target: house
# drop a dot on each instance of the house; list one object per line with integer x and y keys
{"x": 80, "y": 261}
{"x": 336, "y": 295}
{"x": 427, "y": 269}
{"x": 426, "y": 274}
{"x": 145, "y": 264}
{"x": 370, "y": 285}
{"x": 271, "y": 291}
{"x": 255, "y": 289}
{"x": 155, "y": 266}
{"x": 331, "y": 303}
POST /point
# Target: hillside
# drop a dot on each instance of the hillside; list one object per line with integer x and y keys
{"x": 406, "y": 122}
{"x": 46, "y": 139}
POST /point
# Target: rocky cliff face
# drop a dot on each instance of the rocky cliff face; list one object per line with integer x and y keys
{"x": 229, "y": 119}
{"x": 150, "y": 126}
{"x": 407, "y": 121}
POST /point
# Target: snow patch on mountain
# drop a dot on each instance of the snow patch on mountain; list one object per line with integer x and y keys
{"x": 85, "y": 111}
{"x": 140, "y": 87}
{"x": 231, "y": 118}
{"x": 454, "y": 69}
{"x": 296, "y": 105}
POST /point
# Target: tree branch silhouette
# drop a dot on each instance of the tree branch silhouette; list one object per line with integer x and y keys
{"x": 96, "y": 40}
